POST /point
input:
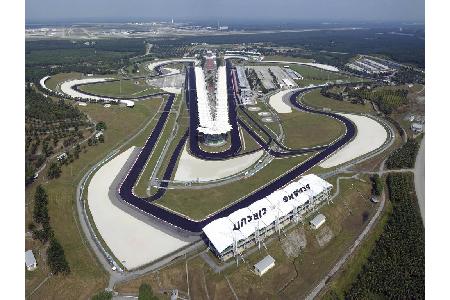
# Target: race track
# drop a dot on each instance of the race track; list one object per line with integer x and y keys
{"x": 242, "y": 119}
{"x": 195, "y": 226}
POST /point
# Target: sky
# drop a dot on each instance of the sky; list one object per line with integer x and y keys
{"x": 237, "y": 10}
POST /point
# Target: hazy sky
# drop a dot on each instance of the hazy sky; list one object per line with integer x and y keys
{"x": 251, "y": 10}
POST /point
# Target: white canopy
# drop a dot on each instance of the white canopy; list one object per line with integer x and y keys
{"x": 266, "y": 212}
{"x": 220, "y": 233}
{"x": 242, "y": 223}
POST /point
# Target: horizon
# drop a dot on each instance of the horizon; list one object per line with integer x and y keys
{"x": 231, "y": 22}
{"x": 252, "y": 11}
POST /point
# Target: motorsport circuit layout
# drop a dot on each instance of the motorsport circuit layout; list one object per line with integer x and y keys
{"x": 146, "y": 206}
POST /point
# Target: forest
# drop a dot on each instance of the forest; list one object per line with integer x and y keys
{"x": 387, "y": 100}
{"x": 404, "y": 157}
{"x": 50, "y": 57}
{"x": 50, "y": 127}
{"x": 395, "y": 268}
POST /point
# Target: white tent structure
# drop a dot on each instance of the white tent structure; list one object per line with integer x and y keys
{"x": 231, "y": 235}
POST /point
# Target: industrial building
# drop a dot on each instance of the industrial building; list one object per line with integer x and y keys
{"x": 232, "y": 235}
{"x": 318, "y": 221}
{"x": 30, "y": 260}
{"x": 264, "y": 265}
{"x": 370, "y": 66}
{"x": 244, "y": 86}
{"x": 250, "y": 54}
{"x": 417, "y": 127}
{"x": 293, "y": 74}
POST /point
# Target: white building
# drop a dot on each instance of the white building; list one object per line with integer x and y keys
{"x": 62, "y": 156}
{"x": 230, "y": 236}
{"x": 318, "y": 221}
{"x": 417, "y": 127}
{"x": 264, "y": 265}
{"x": 99, "y": 134}
{"x": 30, "y": 260}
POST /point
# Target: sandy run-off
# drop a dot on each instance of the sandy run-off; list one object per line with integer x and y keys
{"x": 370, "y": 136}
{"x": 315, "y": 65}
{"x": 152, "y": 65}
{"x": 67, "y": 88}
{"x": 132, "y": 241}
{"x": 172, "y": 90}
{"x": 277, "y": 103}
{"x": 171, "y": 71}
{"x": 191, "y": 168}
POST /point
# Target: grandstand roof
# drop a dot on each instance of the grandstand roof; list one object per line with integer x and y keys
{"x": 207, "y": 123}
{"x": 242, "y": 223}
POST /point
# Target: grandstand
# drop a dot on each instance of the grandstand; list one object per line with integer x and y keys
{"x": 213, "y": 120}
{"x": 230, "y": 236}
{"x": 244, "y": 86}
{"x": 250, "y": 54}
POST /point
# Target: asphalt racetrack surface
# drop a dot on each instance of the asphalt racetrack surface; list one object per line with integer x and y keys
{"x": 145, "y": 204}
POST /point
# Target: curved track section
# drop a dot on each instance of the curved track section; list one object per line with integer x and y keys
{"x": 146, "y": 206}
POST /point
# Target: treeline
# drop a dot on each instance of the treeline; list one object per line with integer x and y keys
{"x": 404, "y": 157}
{"x": 396, "y": 266}
{"x": 169, "y": 49}
{"x": 377, "y": 185}
{"x": 145, "y": 293}
{"x": 57, "y": 56}
{"x": 50, "y": 126}
{"x": 45, "y": 109}
{"x": 408, "y": 75}
{"x": 331, "y": 45}
{"x": 42, "y": 231}
{"x": 328, "y": 91}
{"x": 387, "y": 99}
{"x": 116, "y": 45}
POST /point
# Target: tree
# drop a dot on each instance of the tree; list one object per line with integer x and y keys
{"x": 100, "y": 126}
{"x": 54, "y": 171}
{"x": 29, "y": 172}
{"x": 40, "y": 211}
{"x": 377, "y": 185}
{"x": 57, "y": 259}
{"x": 76, "y": 152}
{"x": 146, "y": 292}
{"x": 101, "y": 139}
{"x": 103, "y": 295}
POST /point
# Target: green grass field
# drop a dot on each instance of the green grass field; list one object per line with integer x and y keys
{"x": 199, "y": 203}
{"x": 287, "y": 58}
{"x": 87, "y": 275}
{"x": 304, "y": 129}
{"x": 316, "y": 100}
{"x": 141, "y": 186}
{"x": 343, "y": 281}
{"x": 124, "y": 88}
